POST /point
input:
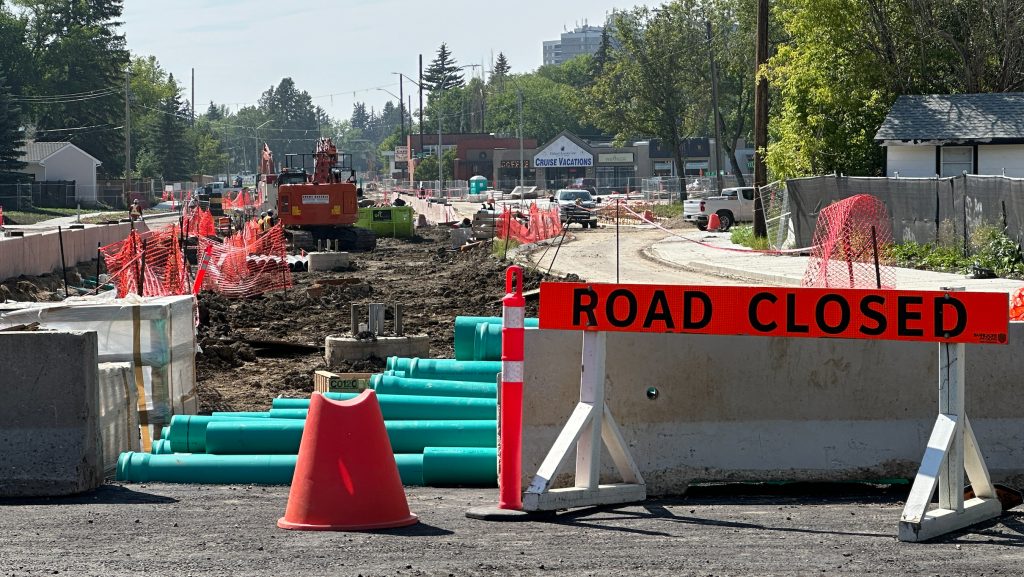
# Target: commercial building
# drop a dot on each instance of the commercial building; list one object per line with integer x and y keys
{"x": 474, "y": 152}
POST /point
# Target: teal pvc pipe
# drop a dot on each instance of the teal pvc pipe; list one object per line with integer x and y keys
{"x": 188, "y": 432}
{"x": 465, "y": 333}
{"x": 408, "y": 407}
{"x": 165, "y": 431}
{"x": 385, "y": 385}
{"x": 487, "y": 342}
{"x": 473, "y": 466}
{"x": 162, "y": 447}
{"x": 448, "y": 369}
{"x": 232, "y": 469}
{"x": 282, "y": 436}
{"x": 287, "y": 414}
{"x": 225, "y": 469}
{"x": 242, "y": 414}
{"x": 391, "y": 373}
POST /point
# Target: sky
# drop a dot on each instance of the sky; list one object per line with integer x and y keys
{"x": 341, "y": 52}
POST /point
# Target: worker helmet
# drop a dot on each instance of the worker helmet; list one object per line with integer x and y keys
{"x": 264, "y": 213}
{"x": 270, "y": 212}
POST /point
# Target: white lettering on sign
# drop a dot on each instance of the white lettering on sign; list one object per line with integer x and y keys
{"x": 563, "y": 152}
{"x": 316, "y": 199}
{"x": 611, "y": 157}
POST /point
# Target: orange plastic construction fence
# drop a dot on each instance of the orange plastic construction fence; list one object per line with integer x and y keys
{"x": 851, "y": 240}
{"x": 248, "y": 263}
{"x": 148, "y": 264}
{"x": 528, "y": 228}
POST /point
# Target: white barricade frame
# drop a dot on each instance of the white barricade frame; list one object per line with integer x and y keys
{"x": 952, "y": 449}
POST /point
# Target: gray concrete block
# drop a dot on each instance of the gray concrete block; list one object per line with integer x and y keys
{"x": 339, "y": 349}
{"x": 49, "y": 420}
{"x": 328, "y": 261}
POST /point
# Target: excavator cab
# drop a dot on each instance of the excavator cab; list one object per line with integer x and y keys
{"x": 317, "y": 193}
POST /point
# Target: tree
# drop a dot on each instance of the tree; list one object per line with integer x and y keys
{"x": 548, "y": 108}
{"x": 11, "y": 139}
{"x": 603, "y": 54}
{"x": 214, "y": 112}
{"x": 170, "y": 145}
{"x": 426, "y": 169}
{"x": 656, "y": 83}
{"x": 79, "y": 52}
{"x": 500, "y": 71}
{"x": 147, "y": 165}
{"x": 443, "y": 72}
{"x": 360, "y": 119}
{"x": 734, "y": 23}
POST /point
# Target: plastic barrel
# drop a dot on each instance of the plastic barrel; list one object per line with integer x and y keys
{"x": 282, "y": 436}
{"x": 387, "y": 385}
{"x": 473, "y": 466}
{"x": 188, "y": 432}
{"x": 408, "y": 407}
{"x": 232, "y": 469}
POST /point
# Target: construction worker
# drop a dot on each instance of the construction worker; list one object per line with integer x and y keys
{"x": 135, "y": 212}
{"x": 271, "y": 219}
{"x": 261, "y": 222}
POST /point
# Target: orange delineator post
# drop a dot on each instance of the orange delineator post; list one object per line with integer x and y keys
{"x": 510, "y": 495}
{"x": 198, "y": 285}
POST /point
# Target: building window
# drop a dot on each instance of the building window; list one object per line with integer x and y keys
{"x": 956, "y": 160}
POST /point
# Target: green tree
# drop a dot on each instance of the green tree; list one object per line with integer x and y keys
{"x": 548, "y": 108}
{"x": 426, "y": 169}
{"x": 147, "y": 165}
{"x": 170, "y": 144}
{"x": 656, "y": 83}
{"x": 79, "y": 54}
{"x": 500, "y": 71}
{"x": 11, "y": 139}
{"x": 210, "y": 157}
{"x": 734, "y": 24}
{"x": 443, "y": 72}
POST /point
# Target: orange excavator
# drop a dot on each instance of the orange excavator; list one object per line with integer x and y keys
{"x": 323, "y": 202}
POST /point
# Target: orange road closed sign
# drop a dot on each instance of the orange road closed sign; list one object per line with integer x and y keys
{"x": 953, "y": 317}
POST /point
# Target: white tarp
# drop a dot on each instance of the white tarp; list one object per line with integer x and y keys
{"x": 155, "y": 334}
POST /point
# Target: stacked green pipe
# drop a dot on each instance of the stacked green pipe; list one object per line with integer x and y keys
{"x": 439, "y": 414}
{"x": 436, "y": 466}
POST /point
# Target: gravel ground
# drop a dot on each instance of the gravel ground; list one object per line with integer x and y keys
{"x": 159, "y": 529}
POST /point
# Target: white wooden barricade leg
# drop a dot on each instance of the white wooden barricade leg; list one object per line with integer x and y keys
{"x": 590, "y": 423}
{"x": 952, "y": 448}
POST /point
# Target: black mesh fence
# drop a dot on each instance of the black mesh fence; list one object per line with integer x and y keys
{"x": 922, "y": 210}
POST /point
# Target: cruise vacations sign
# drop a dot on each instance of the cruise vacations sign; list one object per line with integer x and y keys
{"x": 563, "y": 152}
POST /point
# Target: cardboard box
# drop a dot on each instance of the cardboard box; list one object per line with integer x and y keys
{"x": 328, "y": 382}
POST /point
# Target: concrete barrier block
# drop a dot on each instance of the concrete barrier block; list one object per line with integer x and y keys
{"x": 339, "y": 349}
{"x": 119, "y": 412}
{"x": 328, "y": 261}
{"x": 49, "y": 422}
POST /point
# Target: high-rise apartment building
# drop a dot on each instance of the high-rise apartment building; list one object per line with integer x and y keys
{"x": 582, "y": 40}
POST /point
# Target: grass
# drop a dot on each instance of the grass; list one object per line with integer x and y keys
{"x": 36, "y": 214}
{"x": 668, "y": 210}
{"x": 744, "y": 235}
{"x": 502, "y": 246}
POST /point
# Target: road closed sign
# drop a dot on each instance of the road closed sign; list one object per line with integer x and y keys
{"x": 954, "y": 317}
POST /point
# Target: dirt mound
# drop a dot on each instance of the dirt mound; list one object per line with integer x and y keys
{"x": 433, "y": 283}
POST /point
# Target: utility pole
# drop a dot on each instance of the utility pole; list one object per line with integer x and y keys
{"x": 401, "y": 119}
{"x": 760, "y": 118}
{"x": 127, "y": 136}
{"x": 714, "y": 102}
{"x": 193, "y": 98}
{"x": 421, "y": 104}
{"x": 519, "y": 103}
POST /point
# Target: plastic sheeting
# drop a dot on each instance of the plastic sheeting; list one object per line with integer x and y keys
{"x": 155, "y": 334}
{"x": 921, "y": 209}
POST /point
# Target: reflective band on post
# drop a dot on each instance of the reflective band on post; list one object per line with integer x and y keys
{"x": 512, "y": 318}
{"x": 512, "y": 372}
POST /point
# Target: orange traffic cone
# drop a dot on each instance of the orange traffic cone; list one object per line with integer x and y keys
{"x": 345, "y": 478}
{"x": 714, "y": 223}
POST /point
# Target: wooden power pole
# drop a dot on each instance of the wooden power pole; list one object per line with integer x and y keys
{"x": 760, "y": 118}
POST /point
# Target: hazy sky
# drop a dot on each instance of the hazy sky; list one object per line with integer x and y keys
{"x": 341, "y": 51}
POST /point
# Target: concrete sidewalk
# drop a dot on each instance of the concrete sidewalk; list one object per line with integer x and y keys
{"x": 714, "y": 253}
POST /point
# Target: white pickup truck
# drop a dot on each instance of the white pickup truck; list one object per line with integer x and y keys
{"x": 732, "y": 206}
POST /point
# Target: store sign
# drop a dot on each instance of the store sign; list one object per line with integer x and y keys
{"x": 697, "y": 165}
{"x": 401, "y": 154}
{"x": 612, "y": 157}
{"x": 562, "y": 153}
{"x": 513, "y": 164}
{"x": 952, "y": 317}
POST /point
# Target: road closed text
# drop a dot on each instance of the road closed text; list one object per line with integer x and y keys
{"x": 960, "y": 317}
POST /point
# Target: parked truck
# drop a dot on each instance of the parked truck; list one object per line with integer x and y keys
{"x": 732, "y": 205}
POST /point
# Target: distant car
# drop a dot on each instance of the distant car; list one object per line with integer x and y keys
{"x": 576, "y": 205}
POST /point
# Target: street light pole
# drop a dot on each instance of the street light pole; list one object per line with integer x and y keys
{"x": 519, "y": 102}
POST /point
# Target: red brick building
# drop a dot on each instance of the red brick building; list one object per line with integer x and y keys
{"x": 474, "y": 152}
